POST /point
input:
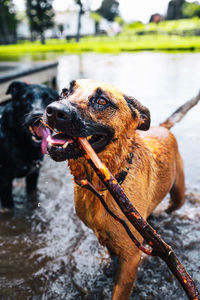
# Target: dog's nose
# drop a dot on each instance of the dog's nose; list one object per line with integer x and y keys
{"x": 61, "y": 116}
{"x": 57, "y": 112}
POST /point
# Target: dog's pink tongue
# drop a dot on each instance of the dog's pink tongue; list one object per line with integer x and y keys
{"x": 46, "y": 137}
{"x": 43, "y": 132}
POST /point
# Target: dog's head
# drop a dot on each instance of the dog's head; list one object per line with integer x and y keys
{"x": 29, "y": 102}
{"x": 92, "y": 109}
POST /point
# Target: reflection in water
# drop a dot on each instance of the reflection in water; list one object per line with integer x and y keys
{"x": 29, "y": 57}
{"x": 48, "y": 253}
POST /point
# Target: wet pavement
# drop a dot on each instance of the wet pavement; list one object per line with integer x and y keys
{"x": 47, "y": 253}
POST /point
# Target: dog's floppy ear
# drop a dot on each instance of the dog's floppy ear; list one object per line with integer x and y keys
{"x": 15, "y": 87}
{"x": 145, "y": 118}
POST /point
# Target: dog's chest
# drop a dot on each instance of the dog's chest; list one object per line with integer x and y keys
{"x": 15, "y": 166}
{"x": 88, "y": 208}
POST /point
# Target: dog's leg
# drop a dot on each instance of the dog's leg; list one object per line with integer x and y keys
{"x": 177, "y": 192}
{"x": 126, "y": 276}
{"x": 31, "y": 186}
{"x": 6, "y": 195}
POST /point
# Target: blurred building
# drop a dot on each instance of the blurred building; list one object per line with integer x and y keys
{"x": 66, "y": 24}
{"x": 23, "y": 32}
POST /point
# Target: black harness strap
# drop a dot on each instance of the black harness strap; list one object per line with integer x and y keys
{"x": 121, "y": 176}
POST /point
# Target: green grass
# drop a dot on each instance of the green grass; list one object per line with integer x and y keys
{"x": 107, "y": 45}
{"x": 182, "y": 26}
{"x": 165, "y": 36}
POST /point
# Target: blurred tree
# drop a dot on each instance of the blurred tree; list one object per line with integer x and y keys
{"x": 40, "y": 15}
{"x": 191, "y": 10}
{"x": 61, "y": 29}
{"x": 109, "y": 9}
{"x": 174, "y": 10}
{"x": 80, "y": 13}
{"x": 8, "y": 21}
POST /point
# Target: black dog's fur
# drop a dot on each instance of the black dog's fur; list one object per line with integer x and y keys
{"x": 20, "y": 156}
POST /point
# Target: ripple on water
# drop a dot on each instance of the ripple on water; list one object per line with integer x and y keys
{"x": 47, "y": 253}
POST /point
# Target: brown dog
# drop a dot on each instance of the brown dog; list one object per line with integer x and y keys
{"x": 147, "y": 161}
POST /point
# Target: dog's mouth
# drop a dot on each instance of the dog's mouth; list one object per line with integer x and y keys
{"x": 39, "y": 135}
{"x": 62, "y": 146}
{"x": 36, "y": 130}
{"x": 35, "y": 134}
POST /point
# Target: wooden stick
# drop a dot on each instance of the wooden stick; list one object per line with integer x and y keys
{"x": 180, "y": 112}
{"x": 160, "y": 248}
{"x": 86, "y": 184}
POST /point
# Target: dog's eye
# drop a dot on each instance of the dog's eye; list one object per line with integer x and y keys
{"x": 102, "y": 101}
{"x": 26, "y": 98}
{"x": 64, "y": 93}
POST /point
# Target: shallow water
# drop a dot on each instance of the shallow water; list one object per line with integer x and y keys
{"x": 47, "y": 253}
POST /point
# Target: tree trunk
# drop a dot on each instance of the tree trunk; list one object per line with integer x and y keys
{"x": 79, "y": 22}
{"x": 4, "y": 25}
{"x": 96, "y": 27}
{"x": 42, "y": 38}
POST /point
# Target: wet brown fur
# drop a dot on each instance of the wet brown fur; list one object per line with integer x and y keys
{"x": 157, "y": 169}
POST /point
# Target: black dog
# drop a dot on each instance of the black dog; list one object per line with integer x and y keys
{"x": 22, "y": 137}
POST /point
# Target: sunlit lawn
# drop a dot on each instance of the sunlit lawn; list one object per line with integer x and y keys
{"x": 107, "y": 44}
{"x": 166, "y": 36}
{"x": 181, "y": 26}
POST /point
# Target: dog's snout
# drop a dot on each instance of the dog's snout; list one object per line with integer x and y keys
{"x": 49, "y": 111}
{"x": 61, "y": 116}
{"x": 57, "y": 111}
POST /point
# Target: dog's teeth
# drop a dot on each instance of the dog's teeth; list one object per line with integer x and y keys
{"x": 49, "y": 141}
{"x": 89, "y": 137}
{"x": 31, "y": 129}
{"x": 65, "y": 145}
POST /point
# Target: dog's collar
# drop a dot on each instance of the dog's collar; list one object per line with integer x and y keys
{"x": 121, "y": 176}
